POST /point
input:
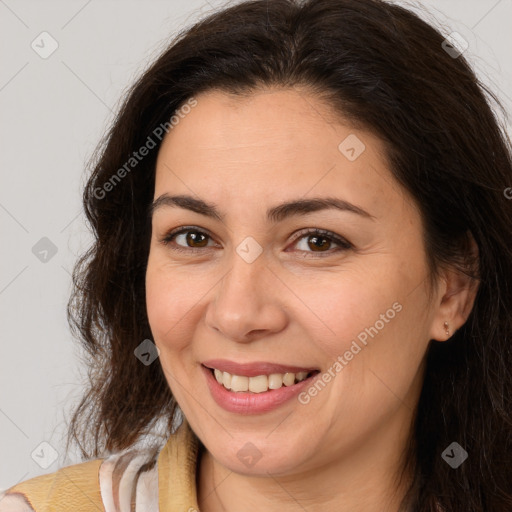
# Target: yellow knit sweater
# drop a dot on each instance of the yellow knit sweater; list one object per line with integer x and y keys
{"x": 128, "y": 481}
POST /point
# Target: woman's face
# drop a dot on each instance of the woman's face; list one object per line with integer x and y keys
{"x": 247, "y": 287}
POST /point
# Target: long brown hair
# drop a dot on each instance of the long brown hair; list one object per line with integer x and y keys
{"x": 383, "y": 68}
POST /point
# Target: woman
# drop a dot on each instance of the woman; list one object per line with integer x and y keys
{"x": 373, "y": 376}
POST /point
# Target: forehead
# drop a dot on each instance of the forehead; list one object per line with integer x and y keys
{"x": 273, "y": 145}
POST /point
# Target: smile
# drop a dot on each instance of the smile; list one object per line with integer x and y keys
{"x": 257, "y": 393}
{"x": 260, "y": 383}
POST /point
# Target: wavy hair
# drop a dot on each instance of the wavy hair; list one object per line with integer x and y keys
{"x": 384, "y": 69}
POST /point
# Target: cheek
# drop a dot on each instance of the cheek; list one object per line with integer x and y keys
{"x": 170, "y": 302}
{"x": 370, "y": 320}
{"x": 350, "y": 306}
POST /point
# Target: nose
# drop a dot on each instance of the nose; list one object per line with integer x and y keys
{"x": 246, "y": 303}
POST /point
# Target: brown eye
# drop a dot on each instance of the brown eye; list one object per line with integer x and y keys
{"x": 317, "y": 243}
{"x": 196, "y": 237}
{"x": 320, "y": 241}
{"x": 190, "y": 239}
{"x": 186, "y": 239}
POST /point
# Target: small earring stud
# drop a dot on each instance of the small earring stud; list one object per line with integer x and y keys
{"x": 446, "y": 327}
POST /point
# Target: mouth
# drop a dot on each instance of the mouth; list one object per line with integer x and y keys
{"x": 259, "y": 383}
{"x": 257, "y": 388}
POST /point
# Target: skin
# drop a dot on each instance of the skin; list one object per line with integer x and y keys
{"x": 293, "y": 305}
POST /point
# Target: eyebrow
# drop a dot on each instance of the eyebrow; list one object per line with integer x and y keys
{"x": 274, "y": 214}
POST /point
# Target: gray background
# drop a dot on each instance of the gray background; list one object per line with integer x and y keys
{"x": 53, "y": 113}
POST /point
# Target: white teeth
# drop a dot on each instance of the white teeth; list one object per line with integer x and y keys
{"x": 239, "y": 383}
{"x": 275, "y": 381}
{"x": 289, "y": 379}
{"x": 226, "y": 380}
{"x": 258, "y": 384}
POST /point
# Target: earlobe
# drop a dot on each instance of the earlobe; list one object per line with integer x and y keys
{"x": 441, "y": 330}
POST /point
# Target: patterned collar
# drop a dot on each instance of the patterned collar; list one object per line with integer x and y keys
{"x": 138, "y": 480}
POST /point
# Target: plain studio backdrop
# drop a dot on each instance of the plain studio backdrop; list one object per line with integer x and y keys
{"x": 65, "y": 67}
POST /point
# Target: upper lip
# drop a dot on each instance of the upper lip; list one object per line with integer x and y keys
{"x": 254, "y": 369}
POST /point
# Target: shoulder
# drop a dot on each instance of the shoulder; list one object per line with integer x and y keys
{"x": 39, "y": 493}
{"x": 109, "y": 484}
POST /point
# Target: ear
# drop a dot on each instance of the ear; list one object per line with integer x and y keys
{"x": 456, "y": 297}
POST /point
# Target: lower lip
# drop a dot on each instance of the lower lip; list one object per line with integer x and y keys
{"x": 253, "y": 403}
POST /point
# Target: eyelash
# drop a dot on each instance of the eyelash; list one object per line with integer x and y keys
{"x": 344, "y": 244}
